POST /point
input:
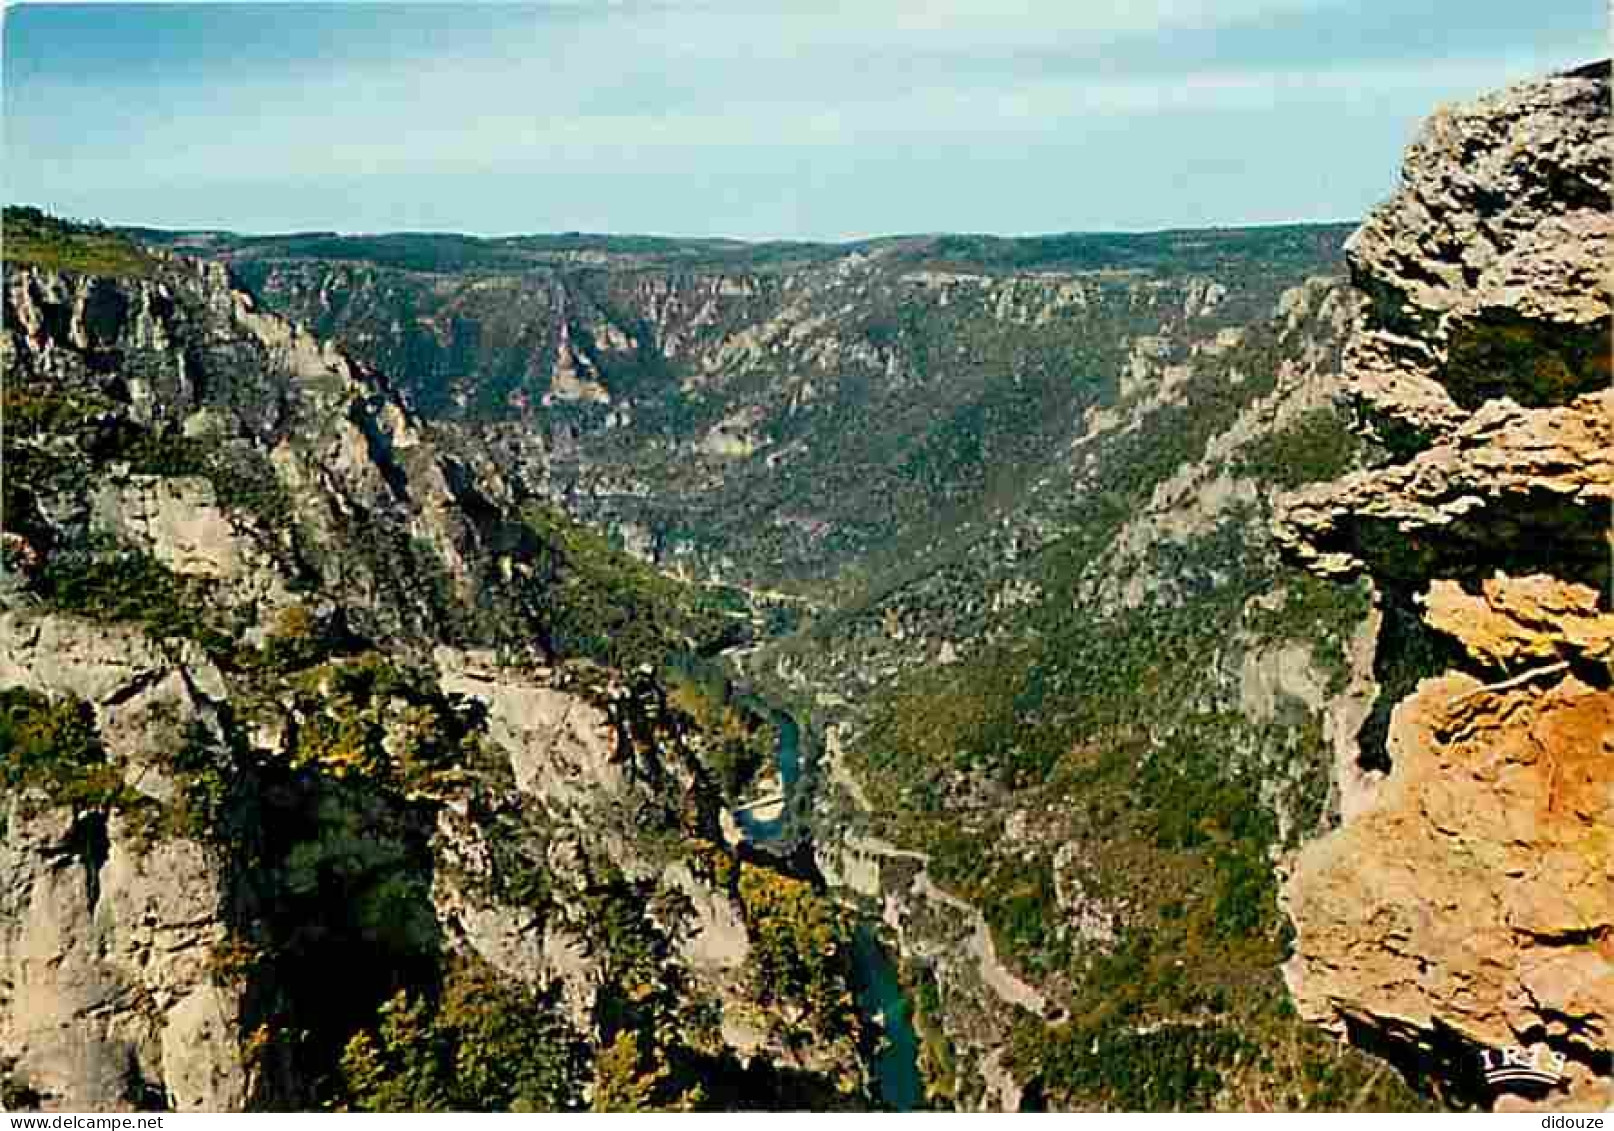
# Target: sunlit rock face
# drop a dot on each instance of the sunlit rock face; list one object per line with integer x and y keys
{"x": 1469, "y": 902}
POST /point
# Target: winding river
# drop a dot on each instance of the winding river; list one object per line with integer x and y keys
{"x": 880, "y": 995}
{"x": 879, "y": 990}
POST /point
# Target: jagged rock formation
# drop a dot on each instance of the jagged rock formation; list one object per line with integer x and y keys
{"x": 317, "y": 755}
{"x": 1541, "y": 475}
{"x": 108, "y": 939}
{"x": 1469, "y": 901}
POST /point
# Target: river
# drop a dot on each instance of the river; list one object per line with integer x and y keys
{"x": 881, "y": 997}
{"x": 764, "y": 830}
{"x": 879, "y": 990}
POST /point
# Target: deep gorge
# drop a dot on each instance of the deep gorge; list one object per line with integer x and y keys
{"x": 1167, "y": 652}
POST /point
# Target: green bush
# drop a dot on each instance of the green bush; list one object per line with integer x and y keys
{"x": 108, "y": 583}
{"x": 349, "y": 706}
{"x": 1317, "y": 446}
{"x": 243, "y": 480}
{"x": 484, "y": 1045}
{"x": 52, "y": 745}
{"x": 734, "y": 741}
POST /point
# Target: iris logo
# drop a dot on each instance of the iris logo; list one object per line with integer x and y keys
{"x": 1514, "y": 1065}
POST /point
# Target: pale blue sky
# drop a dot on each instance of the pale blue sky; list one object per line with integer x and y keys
{"x": 719, "y": 117}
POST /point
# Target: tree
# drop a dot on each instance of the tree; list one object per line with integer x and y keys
{"x": 620, "y": 1085}
{"x": 400, "y": 1067}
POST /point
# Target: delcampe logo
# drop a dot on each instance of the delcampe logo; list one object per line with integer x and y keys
{"x": 1515, "y": 1065}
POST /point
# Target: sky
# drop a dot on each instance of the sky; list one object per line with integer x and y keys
{"x": 757, "y": 119}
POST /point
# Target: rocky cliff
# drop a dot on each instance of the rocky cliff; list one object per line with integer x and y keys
{"x": 1468, "y": 903}
{"x": 336, "y": 766}
{"x": 775, "y": 416}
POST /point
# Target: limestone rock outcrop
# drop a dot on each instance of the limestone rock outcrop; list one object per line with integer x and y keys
{"x": 1485, "y": 275}
{"x": 1523, "y": 619}
{"x": 107, "y": 939}
{"x": 1509, "y": 485}
{"x": 1467, "y": 902}
{"x": 289, "y": 733}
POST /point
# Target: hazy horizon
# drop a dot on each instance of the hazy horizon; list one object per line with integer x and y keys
{"x": 676, "y": 237}
{"x": 699, "y": 119}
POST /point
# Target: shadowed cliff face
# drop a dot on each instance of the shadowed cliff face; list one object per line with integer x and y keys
{"x": 1469, "y": 902}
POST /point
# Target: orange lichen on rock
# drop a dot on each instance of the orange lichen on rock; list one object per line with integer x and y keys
{"x": 1519, "y": 620}
{"x": 1479, "y": 891}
